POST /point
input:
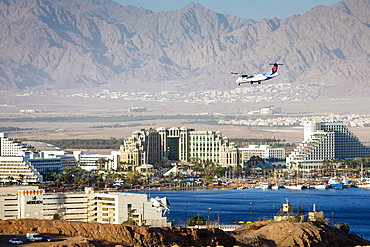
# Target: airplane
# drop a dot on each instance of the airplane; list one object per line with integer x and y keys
{"x": 244, "y": 78}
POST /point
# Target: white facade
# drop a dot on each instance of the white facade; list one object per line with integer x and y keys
{"x": 114, "y": 208}
{"x": 18, "y": 168}
{"x": 93, "y": 162}
{"x": 325, "y": 141}
{"x": 21, "y": 162}
{"x": 13, "y": 147}
{"x": 262, "y": 151}
{"x": 205, "y": 146}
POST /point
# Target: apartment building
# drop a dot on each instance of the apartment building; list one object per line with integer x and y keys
{"x": 262, "y": 151}
{"x": 30, "y": 202}
{"x": 325, "y": 141}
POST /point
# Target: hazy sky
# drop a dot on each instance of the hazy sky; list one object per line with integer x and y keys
{"x": 251, "y": 9}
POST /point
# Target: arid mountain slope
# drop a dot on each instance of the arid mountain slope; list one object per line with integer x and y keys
{"x": 69, "y": 44}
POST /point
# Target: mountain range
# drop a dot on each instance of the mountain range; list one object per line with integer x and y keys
{"x": 62, "y": 44}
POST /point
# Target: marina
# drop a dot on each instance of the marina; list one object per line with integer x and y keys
{"x": 234, "y": 206}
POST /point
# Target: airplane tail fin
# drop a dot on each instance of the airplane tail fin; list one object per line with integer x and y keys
{"x": 275, "y": 67}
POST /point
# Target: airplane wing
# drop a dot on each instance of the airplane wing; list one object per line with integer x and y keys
{"x": 242, "y": 75}
{"x": 246, "y": 76}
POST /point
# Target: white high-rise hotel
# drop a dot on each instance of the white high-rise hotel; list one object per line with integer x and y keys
{"x": 325, "y": 141}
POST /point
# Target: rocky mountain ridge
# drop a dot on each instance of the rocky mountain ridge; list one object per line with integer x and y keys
{"x": 262, "y": 234}
{"x": 68, "y": 44}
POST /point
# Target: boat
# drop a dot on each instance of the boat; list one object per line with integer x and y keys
{"x": 346, "y": 183}
{"x": 364, "y": 183}
{"x": 275, "y": 187}
{"x": 335, "y": 183}
{"x": 294, "y": 186}
{"x": 321, "y": 186}
{"x": 265, "y": 185}
{"x": 318, "y": 185}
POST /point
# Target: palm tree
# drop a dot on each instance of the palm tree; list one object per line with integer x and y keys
{"x": 21, "y": 178}
{"x": 198, "y": 169}
{"x": 102, "y": 163}
{"x": 133, "y": 177}
{"x": 10, "y": 180}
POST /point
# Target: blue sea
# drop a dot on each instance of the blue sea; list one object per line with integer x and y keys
{"x": 232, "y": 206}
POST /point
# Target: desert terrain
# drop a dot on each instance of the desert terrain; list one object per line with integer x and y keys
{"x": 47, "y": 124}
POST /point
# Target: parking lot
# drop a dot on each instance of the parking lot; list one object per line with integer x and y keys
{"x": 58, "y": 240}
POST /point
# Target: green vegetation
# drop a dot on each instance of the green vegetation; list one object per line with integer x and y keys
{"x": 264, "y": 218}
{"x": 196, "y": 221}
{"x": 258, "y": 141}
{"x": 13, "y": 129}
{"x": 108, "y": 119}
{"x": 344, "y": 227}
{"x": 111, "y": 143}
{"x": 129, "y": 223}
{"x": 56, "y": 216}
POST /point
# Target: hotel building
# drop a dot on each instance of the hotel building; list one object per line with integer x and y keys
{"x": 262, "y": 151}
{"x": 22, "y": 162}
{"x": 30, "y": 202}
{"x": 325, "y": 141}
{"x": 188, "y": 145}
{"x": 95, "y": 162}
{"x": 177, "y": 144}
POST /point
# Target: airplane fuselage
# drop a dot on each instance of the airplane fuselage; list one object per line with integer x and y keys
{"x": 255, "y": 78}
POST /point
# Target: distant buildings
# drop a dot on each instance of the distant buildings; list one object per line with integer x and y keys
{"x": 29, "y": 202}
{"x": 27, "y": 161}
{"x": 137, "y": 109}
{"x": 325, "y": 141}
{"x": 268, "y": 110}
{"x": 150, "y": 146}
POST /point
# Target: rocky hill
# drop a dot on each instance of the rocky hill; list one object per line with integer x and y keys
{"x": 288, "y": 234}
{"x": 123, "y": 235}
{"x": 86, "y": 43}
{"x": 262, "y": 234}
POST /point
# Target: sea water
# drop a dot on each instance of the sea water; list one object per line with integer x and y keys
{"x": 231, "y": 206}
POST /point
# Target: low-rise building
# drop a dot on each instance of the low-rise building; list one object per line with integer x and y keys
{"x": 94, "y": 162}
{"x": 263, "y": 151}
{"x": 89, "y": 206}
